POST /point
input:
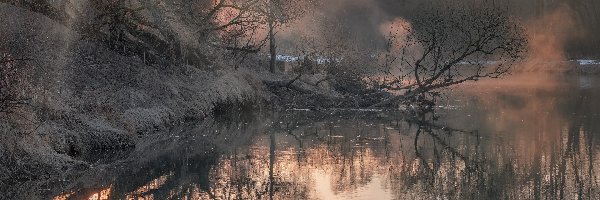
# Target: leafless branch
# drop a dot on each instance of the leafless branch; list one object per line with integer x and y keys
{"x": 442, "y": 49}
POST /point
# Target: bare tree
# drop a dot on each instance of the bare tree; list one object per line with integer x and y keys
{"x": 242, "y": 17}
{"x": 439, "y": 49}
{"x": 328, "y": 57}
{"x": 280, "y": 12}
{"x": 314, "y": 56}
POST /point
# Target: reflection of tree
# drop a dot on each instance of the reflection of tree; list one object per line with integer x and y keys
{"x": 448, "y": 171}
{"x": 415, "y": 158}
{"x": 271, "y": 163}
{"x": 441, "y": 161}
{"x": 543, "y": 158}
{"x": 579, "y": 142}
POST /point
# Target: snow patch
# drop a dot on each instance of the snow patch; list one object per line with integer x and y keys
{"x": 588, "y": 62}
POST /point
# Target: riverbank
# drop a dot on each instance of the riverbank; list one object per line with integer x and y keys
{"x": 87, "y": 99}
{"x": 214, "y": 158}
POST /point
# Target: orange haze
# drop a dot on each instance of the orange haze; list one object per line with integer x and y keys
{"x": 548, "y": 36}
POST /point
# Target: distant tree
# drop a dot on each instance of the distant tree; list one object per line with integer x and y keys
{"x": 145, "y": 29}
{"x": 280, "y": 12}
{"x": 242, "y": 17}
{"x": 330, "y": 52}
{"x": 438, "y": 49}
{"x": 312, "y": 56}
{"x": 151, "y": 31}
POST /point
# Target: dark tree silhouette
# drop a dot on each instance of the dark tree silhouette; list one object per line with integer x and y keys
{"x": 444, "y": 48}
{"x": 248, "y": 16}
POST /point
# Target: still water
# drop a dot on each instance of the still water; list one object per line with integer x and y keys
{"x": 519, "y": 139}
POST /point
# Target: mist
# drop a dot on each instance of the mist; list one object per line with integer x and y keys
{"x": 558, "y": 30}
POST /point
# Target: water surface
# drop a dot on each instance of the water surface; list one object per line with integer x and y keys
{"x": 528, "y": 138}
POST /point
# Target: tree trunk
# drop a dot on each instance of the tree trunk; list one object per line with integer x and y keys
{"x": 272, "y": 47}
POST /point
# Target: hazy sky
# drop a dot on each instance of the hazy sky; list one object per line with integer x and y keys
{"x": 570, "y": 25}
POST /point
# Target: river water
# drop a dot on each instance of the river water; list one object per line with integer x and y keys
{"x": 529, "y": 137}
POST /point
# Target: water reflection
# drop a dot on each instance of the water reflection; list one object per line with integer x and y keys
{"x": 501, "y": 142}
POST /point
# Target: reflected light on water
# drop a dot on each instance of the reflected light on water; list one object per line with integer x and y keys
{"x": 143, "y": 192}
{"x": 373, "y": 190}
{"x": 64, "y": 196}
{"x": 102, "y": 195}
{"x": 529, "y": 141}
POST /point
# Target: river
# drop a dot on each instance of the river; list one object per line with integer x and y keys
{"x": 526, "y": 137}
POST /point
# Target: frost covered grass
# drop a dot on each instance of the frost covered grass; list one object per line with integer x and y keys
{"x": 87, "y": 98}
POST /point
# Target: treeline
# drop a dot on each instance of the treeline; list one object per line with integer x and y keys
{"x": 427, "y": 54}
{"x": 190, "y": 32}
{"x": 582, "y": 15}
